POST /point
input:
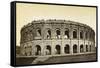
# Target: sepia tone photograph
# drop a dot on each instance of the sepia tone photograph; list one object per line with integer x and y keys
{"x": 55, "y": 33}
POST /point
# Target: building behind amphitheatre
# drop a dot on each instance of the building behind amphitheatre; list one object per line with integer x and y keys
{"x": 56, "y": 38}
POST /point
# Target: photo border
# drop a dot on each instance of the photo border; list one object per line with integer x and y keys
{"x": 13, "y": 32}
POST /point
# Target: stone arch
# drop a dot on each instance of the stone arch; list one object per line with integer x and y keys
{"x": 38, "y": 32}
{"x": 74, "y": 48}
{"x": 86, "y": 48}
{"x": 58, "y": 49}
{"x": 38, "y": 50}
{"x": 81, "y": 48}
{"x": 48, "y": 33}
{"x": 25, "y": 51}
{"x": 29, "y": 35}
{"x": 75, "y": 33}
{"x": 58, "y": 33}
{"x": 67, "y": 49}
{"x": 48, "y": 50}
{"x": 25, "y": 54}
{"x": 81, "y": 34}
{"x": 66, "y": 33}
{"x": 90, "y": 48}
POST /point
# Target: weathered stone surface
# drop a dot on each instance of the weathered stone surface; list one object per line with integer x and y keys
{"x": 56, "y": 34}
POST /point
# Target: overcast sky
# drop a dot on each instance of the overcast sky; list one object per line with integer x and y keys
{"x": 26, "y": 13}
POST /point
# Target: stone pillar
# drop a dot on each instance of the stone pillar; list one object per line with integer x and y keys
{"x": 78, "y": 36}
{"x": 71, "y": 49}
{"x": 53, "y": 50}
{"x": 78, "y": 48}
{"x": 33, "y": 50}
{"x": 53, "y": 33}
{"x": 71, "y": 32}
{"x": 84, "y": 46}
{"x": 94, "y": 50}
{"x": 93, "y": 47}
{"x": 62, "y": 30}
{"x": 42, "y": 51}
{"x": 84, "y": 33}
{"x": 71, "y": 37}
{"x": 88, "y": 48}
{"x": 42, "y": 32}
{"x": 62, "y": 49}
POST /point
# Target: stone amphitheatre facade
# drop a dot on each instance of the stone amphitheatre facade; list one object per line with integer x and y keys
{"x": 56, "y": 37}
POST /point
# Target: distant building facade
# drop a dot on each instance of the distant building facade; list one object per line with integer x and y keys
{"x": 56, "y": 37}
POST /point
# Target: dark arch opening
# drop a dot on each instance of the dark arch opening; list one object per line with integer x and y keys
{"x": 86, "y": 35}
{"x": 75, "y": 34}
{"x": 81, "y": 48}
{"x": 57, "y": 49}
{"x": 38, "y": 50}
{"x": 67, "y": 49}
{"x": 58, "y": 33}
{"x": 90, "y": 48}
{"x": 38, "y": 32}
{"x": 67, "y": 33}
{"x": 25, "y": 51}
{"x": 48, "y": 33}
{"x": 25, "y": 54}
{"x": 75, "y": 48}
{"x": 48, "y": 50}
{"x": 86, "y": 48}
{"x": 81, "y": 35}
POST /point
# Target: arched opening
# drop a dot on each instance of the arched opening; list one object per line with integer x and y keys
{"x": 81, "y": 35}
{"x": 66, "y": 33}
{"x": 25, "y": 54}
{"x": 74, "y": 48}
{"x": 48, "y": 34}
{"x": 67, "y": 49}
{"x": 57, "y": 49}
{"x": 38, "y": 32}
{"x": 29, "y": 35}
{"x": 38, "y": 50}
{"x": 48, "y": 50}
{"x": 25, "y": 51}
{"x": 58, "y": 33}
{"x": 75, "y": 34}
{"x": 81, "y": 48}
{"x": 86, "y": 48}
{"x": 90, "y": 48}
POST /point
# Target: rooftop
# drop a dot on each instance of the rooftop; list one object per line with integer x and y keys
{"x": 55, "y": 21}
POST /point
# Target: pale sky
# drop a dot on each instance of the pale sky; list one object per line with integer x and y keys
{"x": 26, "y": 13}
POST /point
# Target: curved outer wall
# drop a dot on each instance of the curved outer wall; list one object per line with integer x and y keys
{"x": 40, "y": 38}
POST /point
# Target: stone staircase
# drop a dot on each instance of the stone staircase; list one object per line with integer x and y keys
{"x": 40, "y": 59}
{"x": 70, "y": 58}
